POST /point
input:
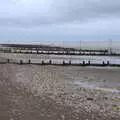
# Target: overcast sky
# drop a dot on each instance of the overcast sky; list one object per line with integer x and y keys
{"x": 59, "y": 20}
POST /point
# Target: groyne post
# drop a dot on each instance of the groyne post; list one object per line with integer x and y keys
{"x": 21, "y": 62}
{"x": 43, "y": 62}
{"x": 69, "y": 62}
{"x": 29, "y": 61}
{"x": 89, "y": 62}
{"x": 63, "y": 62}
{"x": 50, "y": 62}
{"x": 103, "y": 63}
{"x": 37, "y": 52}
{"x": 108, "y": 62}
{"x": 83, "y": 62}
{"x": 8, "y": 60}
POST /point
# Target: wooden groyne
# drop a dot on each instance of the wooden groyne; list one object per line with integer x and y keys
{"x": 42, "y": 49}
{"x": 63, "y": 63}
{"x": 78, "y": 52}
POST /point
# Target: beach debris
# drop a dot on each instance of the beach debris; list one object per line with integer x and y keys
{"x": 105, "y": 97}
{"x": 116, "y": 107}
{"x": 90, "y": 99}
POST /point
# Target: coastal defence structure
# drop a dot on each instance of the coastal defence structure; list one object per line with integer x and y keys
{"x": 48, "y": 55}
{"x": 62, "y": 63}
{"x": 45, "y": 49}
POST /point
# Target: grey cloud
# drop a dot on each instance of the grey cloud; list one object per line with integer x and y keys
{"x": 83, "y": 10}
{"x": 57, "y": 12}
{"x": 59, "y": 19}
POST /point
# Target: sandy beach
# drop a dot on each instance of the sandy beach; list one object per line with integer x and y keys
{"x": 60, "y": 60}
{"x": 37, "y": 92}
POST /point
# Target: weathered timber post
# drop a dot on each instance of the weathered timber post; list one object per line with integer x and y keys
{"x": 89, "y": 62}
{"x": 103, "y": 63}
{"x": 50, "y": 62}
{"x": 63, "y": 62}
{"x": 69, "y": 62}
{"x": 8, "y": 60}
{"x": 83, "y": 62}
{"x": 29, "y": 61}
{"x": 43, "y": 62}
{"x": 21, "y": 62}
{"x": 37, "y": 52}
{"x": 108, "y": 62}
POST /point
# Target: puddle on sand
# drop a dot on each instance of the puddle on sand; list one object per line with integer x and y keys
{"x": 108, "y": 90}
{"x": 94, "y": 86}
{"x": 84, "y": 84}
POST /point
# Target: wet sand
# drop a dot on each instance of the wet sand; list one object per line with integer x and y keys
{"x": 32, "y": 92}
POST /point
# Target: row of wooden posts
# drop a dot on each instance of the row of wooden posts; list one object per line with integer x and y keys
{"x": 64, "y": 63}
{"x": 64, "y": 53}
